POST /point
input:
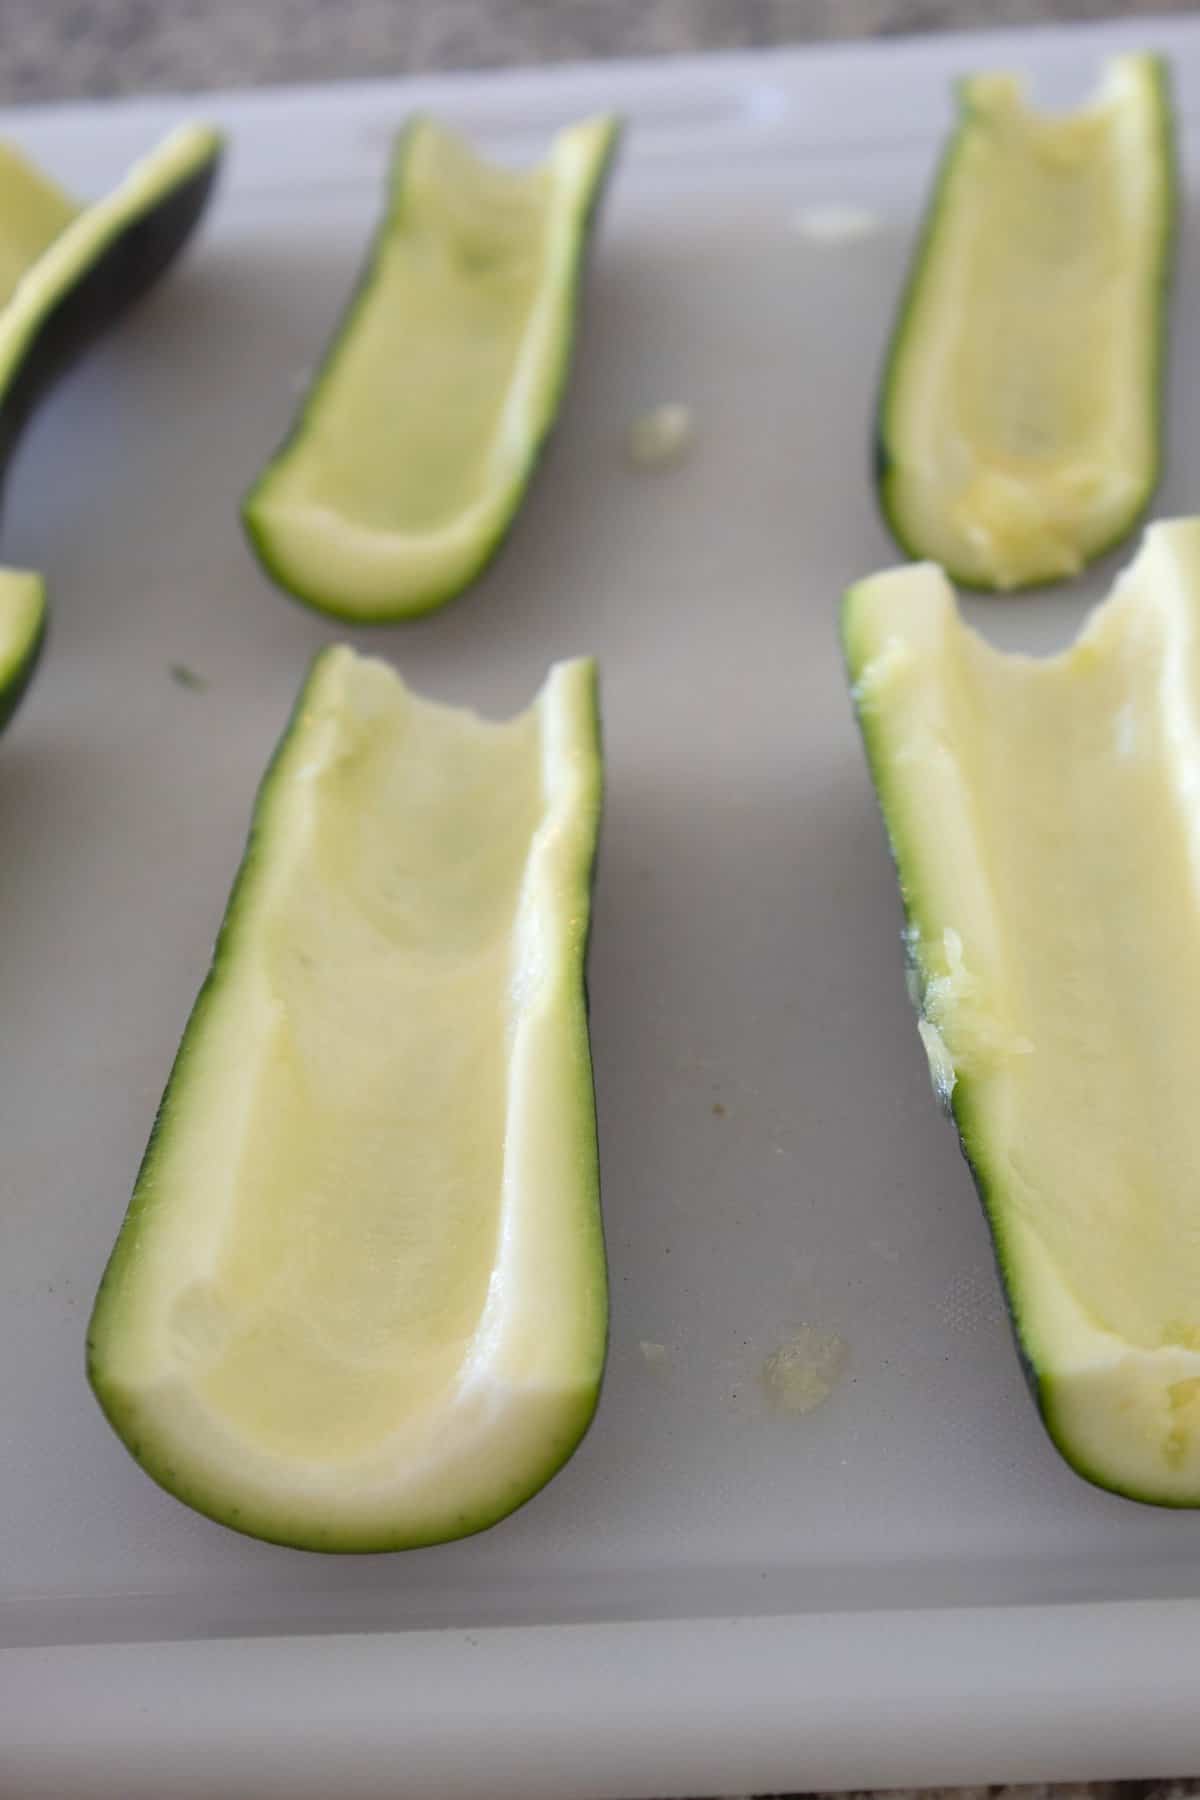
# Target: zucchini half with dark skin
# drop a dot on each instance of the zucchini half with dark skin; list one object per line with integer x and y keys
{"x": 417, "y": 440}
{"x": 1044, "y": 820}
{"x": 1019, "y": 425}
{"x": 66, "y": 273}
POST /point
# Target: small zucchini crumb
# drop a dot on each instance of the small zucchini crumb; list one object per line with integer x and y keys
{"x": 802, "y": 1373}
{"x": 661, "y": 436}
{"x": 184, "y": 677}
{"x": 835, "y": 224}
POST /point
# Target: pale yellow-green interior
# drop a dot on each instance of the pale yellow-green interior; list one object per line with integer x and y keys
{"x": 22, "y": 605}
{"x": 362, "y": 1232}
{"x": 425, "y": 403}
{"x": 33, "y": 210}
{"x": 1022, "y": 415}
{"x": 1046, "y": 818}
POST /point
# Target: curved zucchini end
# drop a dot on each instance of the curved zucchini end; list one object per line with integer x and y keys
{"x": 1124, "y": 1416}
{"x": 529, "y": 1437}
{"x": 1131, "y": 1424}
{"x": 327, "y": 564}
{"x": 22, "y": 635}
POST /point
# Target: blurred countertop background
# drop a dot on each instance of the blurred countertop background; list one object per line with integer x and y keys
{"x": 61, "y": 49}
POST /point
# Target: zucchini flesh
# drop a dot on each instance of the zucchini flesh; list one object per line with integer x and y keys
{"x": 1019, "y": 428}
{"x": 1044, "y": 817}
{"x": 22, "y": 634}
{"x": 33, "y": 211}
{"x": 417, "y": 439}
{"x": 359, "y": 1298}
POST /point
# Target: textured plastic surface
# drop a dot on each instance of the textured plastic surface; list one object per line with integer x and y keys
{"x": 716, "y": 1594}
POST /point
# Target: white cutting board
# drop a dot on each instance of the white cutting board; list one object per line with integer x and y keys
{"x": 906, "y": 1585}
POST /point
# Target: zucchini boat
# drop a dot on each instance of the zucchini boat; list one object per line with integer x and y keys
{"x": 1019, "y": 419}
{"x": 359, "y": 1299}
{"x": 1044, "y": 816}
{"x": 67, "y": 272}
{"x": 22, "y": 634}
{"x": 418, "y": 436}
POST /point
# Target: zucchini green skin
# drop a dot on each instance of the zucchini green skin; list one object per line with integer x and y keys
{"x": 130, "y": 263}
{"x": 883, "y": 457}
{"x": 258, "y": 532}
{"x": 264, "y": 1524}
{"x": 886, "y": 455}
